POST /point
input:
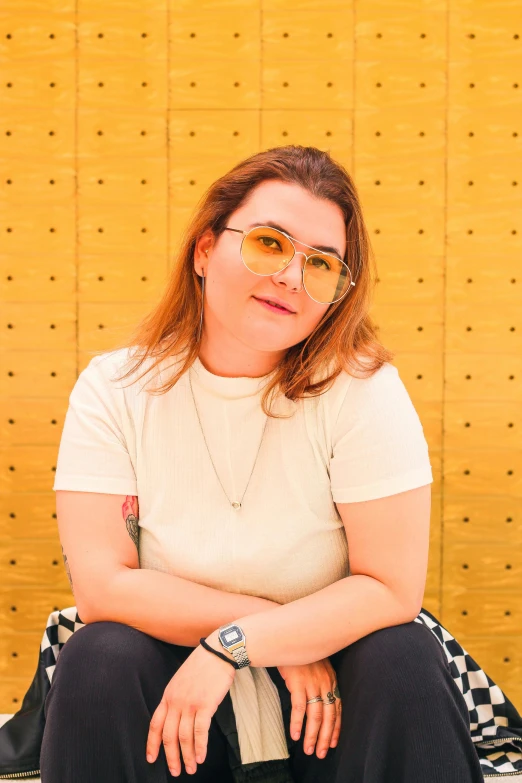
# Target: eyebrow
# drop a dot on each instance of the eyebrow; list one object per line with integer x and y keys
{"x": 323, "y": 248}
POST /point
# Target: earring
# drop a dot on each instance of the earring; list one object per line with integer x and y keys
{"x": 202, "y": 302}
{"x": 202, "y": 299}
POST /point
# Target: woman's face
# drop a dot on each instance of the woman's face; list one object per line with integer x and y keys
{"x": 240, "y": 335}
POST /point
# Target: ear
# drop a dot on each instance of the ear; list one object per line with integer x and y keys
{"x": 201, "y": 252}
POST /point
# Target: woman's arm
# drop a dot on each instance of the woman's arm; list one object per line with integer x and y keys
{"x": 167, "y": 607}
{"x": 320, "y": 624}
{"x": 388, "y": 542}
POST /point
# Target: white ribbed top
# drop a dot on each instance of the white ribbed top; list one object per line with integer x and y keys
{"x": 360, "y": 440}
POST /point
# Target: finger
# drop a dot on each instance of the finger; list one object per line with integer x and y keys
{"x": 298, "y": 712}
{"x": 314, "y": 718}
{"x": 326, "y": 729}
{"x": 186, "y": 738}
{"x": 170, "y": 740}
{"x": 337, "y": 727}
{"x": 155, "y": 731}
{"x": 201, "y": 729}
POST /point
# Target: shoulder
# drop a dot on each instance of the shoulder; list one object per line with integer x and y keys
{"x": 356, "y": 392}
{"x": 101, "y": 385}
{"x": 383, "y": 388}
{"x": 108, "y": 363}
{"x": 377, "y": 382}
{"x": 377, "y": 407}
{"x": 113, "y": 369}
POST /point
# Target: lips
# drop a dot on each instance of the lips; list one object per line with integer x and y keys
{"x": 275, "y": 303}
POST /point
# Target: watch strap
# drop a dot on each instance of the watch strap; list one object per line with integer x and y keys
{"x": 241, "y": 656}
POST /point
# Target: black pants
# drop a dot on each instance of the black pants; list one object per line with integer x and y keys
{"x": 404, "y": 718}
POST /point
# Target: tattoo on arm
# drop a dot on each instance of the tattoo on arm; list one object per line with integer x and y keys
{"x": 68, "y": 570}
{"x": 130, "y": 510}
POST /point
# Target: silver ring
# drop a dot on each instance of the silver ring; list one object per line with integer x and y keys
{"x": 317, "y": 698}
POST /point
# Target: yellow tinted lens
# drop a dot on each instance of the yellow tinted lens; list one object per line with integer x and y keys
{"x": 326, "y": 278}
{"x": 266, "y": 250}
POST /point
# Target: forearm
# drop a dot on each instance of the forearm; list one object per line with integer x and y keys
{"x": 320, "y": 624}
{"x": 167, "y": 607}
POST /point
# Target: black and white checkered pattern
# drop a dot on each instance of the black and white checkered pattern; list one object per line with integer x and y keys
{"x": 495, "y": 724}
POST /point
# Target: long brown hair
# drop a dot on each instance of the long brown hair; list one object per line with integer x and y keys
{"x": 345, "y": 337}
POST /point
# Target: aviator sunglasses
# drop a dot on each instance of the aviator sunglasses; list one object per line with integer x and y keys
{"x": 266, "y": 251}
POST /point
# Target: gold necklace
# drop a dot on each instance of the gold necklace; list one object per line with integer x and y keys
{"x": 236, "y": 504}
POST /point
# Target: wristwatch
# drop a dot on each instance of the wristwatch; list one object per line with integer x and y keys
{"x": 233, "y": 639}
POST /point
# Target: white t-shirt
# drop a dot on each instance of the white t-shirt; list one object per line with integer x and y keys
{"x": 361, "y": 439}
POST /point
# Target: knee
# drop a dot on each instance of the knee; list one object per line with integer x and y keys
{"x": 403, "y": 661}
{"x": 103, "y": 651}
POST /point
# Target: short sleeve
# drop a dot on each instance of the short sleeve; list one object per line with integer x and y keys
{"x": 93, "y": 455}
{"x": 378, "y": 443}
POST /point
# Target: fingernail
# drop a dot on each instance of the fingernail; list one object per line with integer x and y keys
{"x": 149, "y": 757}
{"x": 295, "y": 735}
{"x": 321, "y": 754}
{"x": 310, "y": 749}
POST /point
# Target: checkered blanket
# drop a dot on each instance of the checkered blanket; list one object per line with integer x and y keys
{"x": 495, "y": 724}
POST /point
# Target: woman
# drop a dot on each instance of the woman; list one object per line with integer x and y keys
{"x": 225, "y": 623}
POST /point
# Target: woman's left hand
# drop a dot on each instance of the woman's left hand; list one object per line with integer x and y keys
{"x": 185, "y": 712}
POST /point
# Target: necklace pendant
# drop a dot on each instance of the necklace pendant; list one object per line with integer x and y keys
{"x": 236, "y": 504}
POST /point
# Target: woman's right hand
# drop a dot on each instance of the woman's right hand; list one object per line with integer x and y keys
{"x": 323, "y": 721}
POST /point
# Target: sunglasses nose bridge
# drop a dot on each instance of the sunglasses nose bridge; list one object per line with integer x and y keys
{"x": 298, "y": 253}
{"x": 289, "y": 261}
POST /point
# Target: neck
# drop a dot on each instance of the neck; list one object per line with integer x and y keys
{"x": 237, "y": 360}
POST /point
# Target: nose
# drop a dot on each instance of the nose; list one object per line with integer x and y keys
{"x": 292, "y": 274}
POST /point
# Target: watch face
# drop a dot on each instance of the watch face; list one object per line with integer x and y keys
{"x": 230, "y": 636}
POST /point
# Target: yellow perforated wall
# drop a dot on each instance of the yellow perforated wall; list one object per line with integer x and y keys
{"x": 115, "y": 115}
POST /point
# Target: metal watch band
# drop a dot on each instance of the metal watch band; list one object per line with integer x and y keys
{"x": 240, "y": 656}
